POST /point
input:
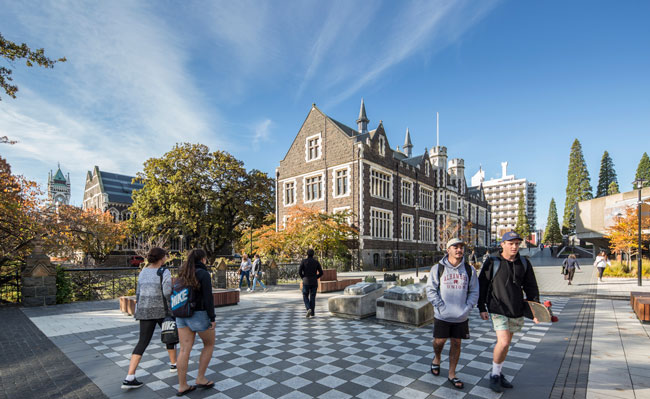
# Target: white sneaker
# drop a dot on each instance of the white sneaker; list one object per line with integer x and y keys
{"x": 266, "y": 289}
{"x": 238, "y": 289}
{"x": 248, "y": 290}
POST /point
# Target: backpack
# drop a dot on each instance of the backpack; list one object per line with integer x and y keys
{"x": 496, "y": 262}
{"x": 182, "y": 299}
{"x": 468, "y": 270}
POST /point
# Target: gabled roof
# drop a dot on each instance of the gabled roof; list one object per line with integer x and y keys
{"x": 346, "y": 129}
{"x": 414, "y": 161}
{"x": 119, "y": 187}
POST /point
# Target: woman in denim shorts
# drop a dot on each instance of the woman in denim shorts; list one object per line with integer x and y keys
{"x": 194, "y": 273}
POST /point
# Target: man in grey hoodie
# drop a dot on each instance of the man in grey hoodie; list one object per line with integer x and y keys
{"x": 453, "y": 292}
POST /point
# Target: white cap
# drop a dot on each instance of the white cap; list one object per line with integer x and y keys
{"x": 454, "y": 241}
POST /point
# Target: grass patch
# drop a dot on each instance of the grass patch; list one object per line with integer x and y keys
{"x": 617, "y": 269}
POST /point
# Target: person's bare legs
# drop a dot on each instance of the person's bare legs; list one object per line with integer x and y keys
{"x": 438, "y": 345}
{"x": 501, "y": 347}
{"x": 207, "y": 337}
{"x": 454, "y": 355}
{"x": 186, "y": 338}
{"x": 135, "y": 360}
{"x": 172, "y": 355}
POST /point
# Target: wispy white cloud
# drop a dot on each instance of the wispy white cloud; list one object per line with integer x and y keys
{"x": 262, "y": 133}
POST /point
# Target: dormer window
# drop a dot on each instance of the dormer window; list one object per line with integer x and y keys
{"x": 313, "y": 148}
{"x": 382, "y": 146}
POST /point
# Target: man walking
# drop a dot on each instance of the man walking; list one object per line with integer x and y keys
{"x": 501, "y": 282}
{"x": 310, "y": 271}
{"x": 453, "y": 290}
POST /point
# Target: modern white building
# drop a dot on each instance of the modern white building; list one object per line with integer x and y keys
{"x": 503, "y": 196}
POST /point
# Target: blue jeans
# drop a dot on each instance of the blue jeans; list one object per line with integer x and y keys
{"x": 255, "y": 281}
{"x": 309, "y": 296}
{"x": 248, "y": 279}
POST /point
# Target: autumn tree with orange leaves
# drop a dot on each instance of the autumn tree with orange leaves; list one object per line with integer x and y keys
{"x": 623, "y": 235}
{"x": 328, "y": 234}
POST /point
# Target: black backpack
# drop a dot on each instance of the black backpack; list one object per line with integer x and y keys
{"x": 182, "y": 299}
{"x": 468, "y": 270}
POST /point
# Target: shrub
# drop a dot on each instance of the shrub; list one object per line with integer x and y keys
{"x": 406, "y": 282}
{"x": 617, "y": 269}
{"x": 423, "y": 279}
{"x": 370, "y": 279}
{"x": 390, "y": 277}
{"x": 63, "y": 286}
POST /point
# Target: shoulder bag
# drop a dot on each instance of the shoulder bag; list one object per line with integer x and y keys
{"x": 169, "y": 333}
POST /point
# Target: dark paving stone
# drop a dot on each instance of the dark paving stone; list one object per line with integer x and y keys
{"x": 32, "y": 366}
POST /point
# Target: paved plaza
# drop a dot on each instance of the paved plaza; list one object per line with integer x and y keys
{"x": 266, "y": 348}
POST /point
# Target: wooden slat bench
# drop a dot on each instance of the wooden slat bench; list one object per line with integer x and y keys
{"x": 640, "y": 303}
{"x": 225, "y": 297}
{"x": 328, "y": 282}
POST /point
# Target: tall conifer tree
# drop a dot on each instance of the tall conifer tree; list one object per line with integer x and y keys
{"x": 643, "y": 170}
{"x": 613, "y": 188}
{"x": 552, "y": 234}
{"x": 522, "y": 227}
{"x": 578, "y": 186}
{"x": 606, "y": 176}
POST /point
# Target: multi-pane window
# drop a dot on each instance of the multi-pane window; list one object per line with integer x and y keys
{"x": 407, "y": 227}
{"x": 289, "y": 193}
{"x": 381, "y": 223}
{"x": 481, "y": 217}
{"x": 407, "y": 192}
{"x": 426, "y": 199}
{"x": 452, "y": 203}
{"x": 426, "y": 230}
{"x": 313, "y": 150}
{"x": 340, "y": 182}
{"x": 380, "y": 184}
{"x": 313, "y": 188}
{"x": 481, "y": 238}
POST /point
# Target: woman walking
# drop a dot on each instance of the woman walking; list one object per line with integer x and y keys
{"x": 257, "y": 273}
{"x": 245, "y": 271}
{"x": 601, "y": 263}
{"x": 193, "y": 273}
{"x": 570, "y": 265}
{"x": 150, "y": 310}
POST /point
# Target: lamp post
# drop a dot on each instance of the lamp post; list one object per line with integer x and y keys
{"x": 417, "y": 241}
{"x": 250, "y": 221}
{"x": 639, "y": 185}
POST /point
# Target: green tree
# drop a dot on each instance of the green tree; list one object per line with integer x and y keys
{"x": 205, "y": 196}
{"x": 12, "y": 52}
{"x": 552, "y": 234}
{"x": 613, "y": 188}
{"x": 643, "y": 170}
{"x": 522, "y": 227}
{"x": 607, "y": 175}
{"x": 578, "y": 186}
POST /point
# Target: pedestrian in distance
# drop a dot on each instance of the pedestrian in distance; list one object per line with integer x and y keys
{"x": 501, "y": 282}
{"x": 150, "y": 310}
{"x": 257, "y": 273}
{"x": 245, "y": 271}
{"x": 310, "y": 271}
{"x": 601, "y": 263}
{"x": 194, "y": 274}
{"x": 452, "y": 289}
{"x": 569, "y": 267}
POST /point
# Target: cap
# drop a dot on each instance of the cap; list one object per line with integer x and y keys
{"x": 454, "y": 241}
{"x": 511, "y": 235}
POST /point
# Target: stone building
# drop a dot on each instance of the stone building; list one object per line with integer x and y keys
{"x": 399, "y": 199}
{"x": 58, "y": 188}
{"x": 503, "y": 196}
{"x": 109, "y": 192}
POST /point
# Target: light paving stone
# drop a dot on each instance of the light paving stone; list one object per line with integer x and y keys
{"x": 373, "y": 394}
{"x": 409, "y": 393}
{"x": 334, "y": 394}
{"x": 448, "y": 393}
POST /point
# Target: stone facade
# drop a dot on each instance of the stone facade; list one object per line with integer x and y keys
{"x": 398, "y": 200}
{"x": 58, "y": 188}
{"x": 109, "y": 192}
{"x": 38, "y": 279}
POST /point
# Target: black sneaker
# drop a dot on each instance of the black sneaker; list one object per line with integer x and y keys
{"x": 495, "y": 383}
{"x": 172, "y": 368}
{"x": 504, "y": 383}
{"x": 131, "y": 384}
{"x": 308, "y": 315}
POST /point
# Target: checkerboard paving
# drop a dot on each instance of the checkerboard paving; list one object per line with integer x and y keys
{"x": 278, "y": 353}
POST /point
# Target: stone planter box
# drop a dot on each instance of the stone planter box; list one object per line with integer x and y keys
{"x": 405, "y": 305}
{"x": 356, "y": 303}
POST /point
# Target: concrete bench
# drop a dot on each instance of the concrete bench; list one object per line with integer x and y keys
{"x": 225, "y": 297}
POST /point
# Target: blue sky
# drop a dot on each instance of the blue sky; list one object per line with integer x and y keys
{"x": 512, "y": 80}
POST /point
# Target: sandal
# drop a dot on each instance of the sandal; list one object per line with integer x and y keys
{"x": 210, "y": 384}
{"x": 456, "y": 382}
{"x": 435, "y": 369}
{"x": 188, "y": 390}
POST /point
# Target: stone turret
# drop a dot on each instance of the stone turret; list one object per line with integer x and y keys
{"x": 363, "y": 120}
{"x": 438, "y": 157}
{"x": 408, "y": 146}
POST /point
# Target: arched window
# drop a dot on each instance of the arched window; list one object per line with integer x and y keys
{"x": 115, "y": 214}
{"x": 382, "y": 146}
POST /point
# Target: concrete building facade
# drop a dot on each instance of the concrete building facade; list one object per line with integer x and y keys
{"x": 399, "y": 200}
{"x": 503, "y": 196}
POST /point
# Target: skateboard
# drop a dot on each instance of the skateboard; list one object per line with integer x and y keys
{"x": 542, "y": 312}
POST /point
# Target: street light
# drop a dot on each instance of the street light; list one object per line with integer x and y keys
{"x": 417, "y": 241}
{"x": 639, "y": 185}
{"x": 250, "y": 221}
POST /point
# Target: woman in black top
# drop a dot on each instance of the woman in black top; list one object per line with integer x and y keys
{"x": 194, "y": 273}
{"x": 569, "y": 266}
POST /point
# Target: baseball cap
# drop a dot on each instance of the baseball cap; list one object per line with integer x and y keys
{"x": 511, "y": 235}
{"x": 454, "y": 241}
